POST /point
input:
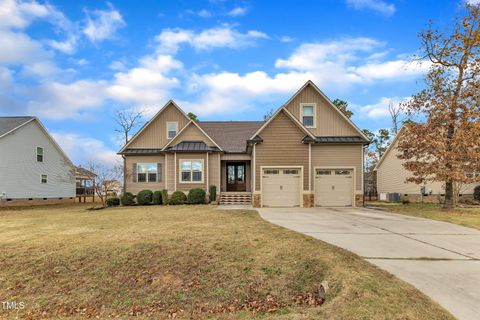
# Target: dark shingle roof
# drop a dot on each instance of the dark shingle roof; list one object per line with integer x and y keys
{"x": 192, "y": 146}
{"x": 9, "y": 123}
{"x": 231, "y": 136}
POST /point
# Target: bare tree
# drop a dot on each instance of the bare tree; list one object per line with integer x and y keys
{"x": 106, "y": 178}
{"x": 127, "y": 120}
{"x": 395, "y": 111}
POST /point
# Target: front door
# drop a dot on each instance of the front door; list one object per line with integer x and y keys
{"x": 236, "y": 176}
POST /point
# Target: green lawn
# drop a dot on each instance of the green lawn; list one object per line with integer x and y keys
{"x": 468, "y": 217}
{"x": 189, "y": 262}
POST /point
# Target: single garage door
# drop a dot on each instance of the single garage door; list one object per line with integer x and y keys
{"x": 281, "y": 187}
{"x": 333, "y": 187}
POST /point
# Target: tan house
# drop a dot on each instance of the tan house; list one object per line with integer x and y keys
{"x": 307, "y": 154}
{"x": 391, "y": 178}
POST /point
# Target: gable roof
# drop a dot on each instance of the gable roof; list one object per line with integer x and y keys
{"x": 10, "y": 124}
{"x": 289, "y": 115}
{"x": 169, "y": 102}
{"x": 310, "y": 83}
{"x": 232, "y": 136}
{"x": 191, "y": 122}
{"x": 390, "y": 147}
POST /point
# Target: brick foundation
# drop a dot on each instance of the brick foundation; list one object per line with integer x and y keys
{"x": 359, "y": 200}
{"x": 308, "y": 200}
{"x": 257, "y": 200}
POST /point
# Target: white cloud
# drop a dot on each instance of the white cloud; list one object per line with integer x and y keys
{"x": 148, "y": 84}
{"x": 103, "y": 24}
{"x": 391, "y": 70}
{"x": 83, "y": 150}
{"x": 237, "y": 12}
{"x": 379, "y": 109}
{"x": 204, "y": 13}
{"x": 473, "y": 2}
{"x": 220, "y": 37}
{"x": 379, "y": 6}
{"x": 286, "y": 39}
{"x": 56, "y": 100}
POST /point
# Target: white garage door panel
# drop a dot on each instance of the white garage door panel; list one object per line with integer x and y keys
{"x": 281, "y": 187}
{"x": 333, "y": 188}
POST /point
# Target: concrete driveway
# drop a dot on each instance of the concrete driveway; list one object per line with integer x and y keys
{"x": 439, "y": 258}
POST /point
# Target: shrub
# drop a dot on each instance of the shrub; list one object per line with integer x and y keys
{"x": 157, "y": 197}
{"x": 213, "y": 193}
{"x": 164, "y": 196}
{"x": 178, "y": 197}
{"x": 144, "y": 197}
{"x": 113, "y": 202}
{"x": 476, "y": 193}
{"x": 196, "y": 196}
{"x": 405, "y": 201}
{"x": 127, "y": 199}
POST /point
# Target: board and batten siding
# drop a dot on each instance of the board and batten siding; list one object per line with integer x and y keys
{"x": 214, "y": 171}
{"x": 136, "y": 187}
{"x": 192, "y": 133}
{"x": 155, "y": 134}
{"x": 339, "y": 156}
{"x": 20, "y": 173}
{"x": 282, "y": 146}
{"x": 328, "y": 120}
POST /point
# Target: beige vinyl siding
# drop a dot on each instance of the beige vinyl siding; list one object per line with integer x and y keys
{"x": 155, "y": 134}
{"x": 391, "y": 177}
{"x": 328, "y": 121}
{"x": 170, "y": 172}
{"x": 282, "y": 146}
{"x": 213, "y": 165}
{"x": 135, "y": 187}
{"x": 339, "y": 156}
{"x": 192, "y": 133}
{"x": 187, "y": 186}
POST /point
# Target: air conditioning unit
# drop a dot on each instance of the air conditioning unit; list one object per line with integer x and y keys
{"x": 393, "y": 197}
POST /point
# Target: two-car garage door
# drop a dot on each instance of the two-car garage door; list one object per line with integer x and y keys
{"x": 333, "y": 187}
{"x": 281, "y": 187}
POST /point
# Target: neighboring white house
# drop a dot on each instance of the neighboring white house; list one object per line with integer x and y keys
{"x": 33, "y": 167}
{"x": 391, "y": 178}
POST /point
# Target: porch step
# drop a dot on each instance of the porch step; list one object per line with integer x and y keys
{"x": 231, "y": 198}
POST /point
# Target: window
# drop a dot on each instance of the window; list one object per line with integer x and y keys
{"x": 39, "y": 154}
{"x": 146, "y": 172}
{"x": 324, "y": 172}
{"x": 43, "y": 178}
{"x": 191, "y": 170}
{"x": 172, "y": 128}
{"x": 290, "y": 171}
{"x": 308, "y": 115}
{"x": 271, "y": 171}
{"x": 342, "y": 172}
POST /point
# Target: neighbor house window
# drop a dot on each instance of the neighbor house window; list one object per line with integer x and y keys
{"x": 43, "y": 178}
{"x": 308, "y": 115}
{"x": 146, "y": 172}
{"x": 39, "y": 154}
{"x": 191, "y": 170}
{"x": 172, "y": 129}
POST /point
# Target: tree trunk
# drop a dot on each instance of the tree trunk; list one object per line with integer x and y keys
{"x": 448, "y": 202}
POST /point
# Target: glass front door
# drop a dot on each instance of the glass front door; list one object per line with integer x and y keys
{"x": 236, "y": 176}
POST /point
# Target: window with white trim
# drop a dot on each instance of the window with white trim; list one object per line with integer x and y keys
{"x": 39, "y": 151}
{"x": 308, "y": 115}
{"x": 191, "y": 171}
{"x": 172, "y": 129}
{"x": 43, "y": 178}
{"x": 146, "y": 172}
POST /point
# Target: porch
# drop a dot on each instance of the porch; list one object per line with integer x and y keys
{"x": 235, "y": 186}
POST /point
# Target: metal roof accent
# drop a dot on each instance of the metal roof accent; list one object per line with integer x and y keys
{"x": 191, "y": 146}
{"x": 141, "y": 151}
{"x": 337, "y": 139}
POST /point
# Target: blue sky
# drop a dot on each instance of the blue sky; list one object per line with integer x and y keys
{"x": 73, "y": 63}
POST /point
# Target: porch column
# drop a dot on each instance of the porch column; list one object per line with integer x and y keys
{"x": 253, "y": 169}
{"x": 309, "y": 167}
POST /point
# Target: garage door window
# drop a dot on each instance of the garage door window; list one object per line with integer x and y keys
{"x": 290, "y": 171}
{"x": 271, "y": 171}
{"x": 324, "y": 172}
{"x": 342, "y": 172}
